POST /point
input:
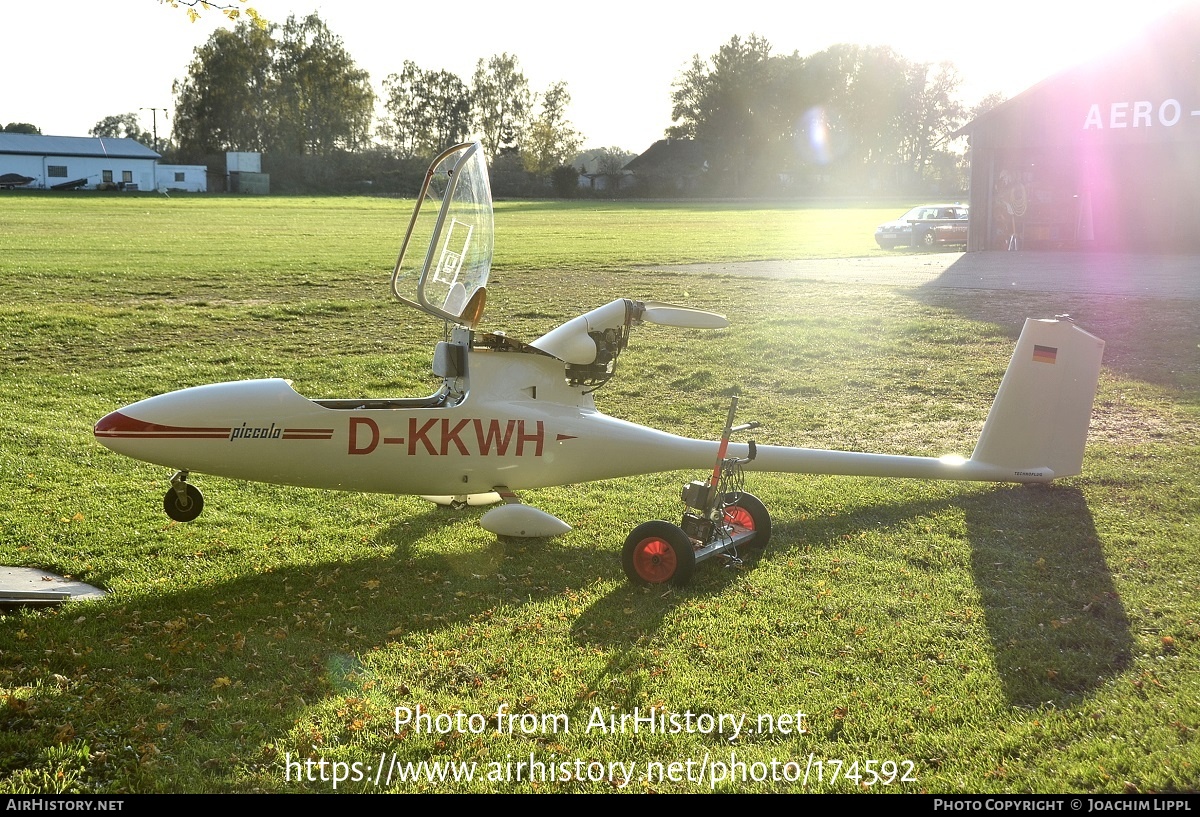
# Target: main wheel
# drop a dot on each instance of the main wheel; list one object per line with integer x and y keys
{"x": 746, "y": 511}
{"x": 658, "y": 553}
{"x": 929, "y": 239}
{"x": 183, "y": 508}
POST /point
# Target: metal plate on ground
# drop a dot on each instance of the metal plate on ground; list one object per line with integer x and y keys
{"x": 31, "y": 587}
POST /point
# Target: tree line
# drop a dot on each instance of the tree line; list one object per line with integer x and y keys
{"x": 294, "y": 93}
{"x": 847, "y": 118}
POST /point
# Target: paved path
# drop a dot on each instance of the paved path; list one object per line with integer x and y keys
{"x": 1155, "y": 276}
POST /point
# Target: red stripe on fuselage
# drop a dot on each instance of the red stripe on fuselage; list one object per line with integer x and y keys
{"x": 308, "y": 434}
{"x": 117, "y": 424}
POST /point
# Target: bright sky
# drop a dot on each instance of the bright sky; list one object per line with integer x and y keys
{"x": 67, "y": 64}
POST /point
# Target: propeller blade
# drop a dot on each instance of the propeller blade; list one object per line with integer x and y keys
{"x": 672, "y": 315}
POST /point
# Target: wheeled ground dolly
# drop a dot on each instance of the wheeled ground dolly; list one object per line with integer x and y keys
{"x": 719, "y": 519}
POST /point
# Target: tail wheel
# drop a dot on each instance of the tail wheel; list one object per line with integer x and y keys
{"x": 658, "y": 553}
{"x": 746, "y": 511}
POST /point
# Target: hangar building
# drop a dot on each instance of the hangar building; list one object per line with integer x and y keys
{"x": 78, "y": 161}
{"x": 38, "y": 162}
{"x": 1105, "y": 155}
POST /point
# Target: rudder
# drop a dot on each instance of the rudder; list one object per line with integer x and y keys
{"x": 1041, "y": 413}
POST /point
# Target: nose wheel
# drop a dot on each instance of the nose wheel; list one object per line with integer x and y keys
{"x": 183, "y": 501}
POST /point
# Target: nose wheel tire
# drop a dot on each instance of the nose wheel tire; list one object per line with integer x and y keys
{"x": 183, "y": 506}
{"x": 658, "y": 552}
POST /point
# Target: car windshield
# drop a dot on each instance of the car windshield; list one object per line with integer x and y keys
{"x": 927, "y": 212}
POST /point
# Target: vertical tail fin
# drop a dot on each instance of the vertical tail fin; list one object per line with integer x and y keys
{"x": 1040, "y": 416}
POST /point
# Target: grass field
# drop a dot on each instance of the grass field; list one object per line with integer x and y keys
{"x": 937, "y": 637}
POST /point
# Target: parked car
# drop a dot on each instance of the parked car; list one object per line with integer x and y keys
{"x": 929, "y": 225}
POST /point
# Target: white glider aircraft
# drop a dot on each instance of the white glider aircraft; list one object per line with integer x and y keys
{"x": 511, "y": 415}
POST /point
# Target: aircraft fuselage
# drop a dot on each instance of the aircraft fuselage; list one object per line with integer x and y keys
{"x": 520, "y": 425}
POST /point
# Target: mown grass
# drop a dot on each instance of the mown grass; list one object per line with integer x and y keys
{"x": 1001, "y": 639}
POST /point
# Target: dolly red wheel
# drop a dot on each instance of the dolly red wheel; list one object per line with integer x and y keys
{"x": 746, "y": 511}
{"x": 658, "y": 553}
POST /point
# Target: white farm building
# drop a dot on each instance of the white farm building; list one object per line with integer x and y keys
{"x": 91, "y": 163}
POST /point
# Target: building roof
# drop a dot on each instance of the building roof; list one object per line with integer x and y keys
{"x": 1149, "y": 89}
{"x": 670, "y": 157}
{"x": 38, "y": 145}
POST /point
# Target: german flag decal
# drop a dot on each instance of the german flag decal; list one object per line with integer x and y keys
{"x": 1044, "y": 354}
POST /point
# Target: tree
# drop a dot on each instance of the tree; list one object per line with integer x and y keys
{"x": 406, "y": 101}
{"x": 323, "y": 101}
{"x": 863, "y": 91}
{"x": 225, "y": 101}
{"x": 122, "y": 126}
{"x": 731, "y": 102}
{"x": 984, "y": 105}
{"x": 930, "y": 118}
{"x": 689, "y": 100}
{"x": 247, "y": 90}
{"x": 551, "y": 142}
{"x": 427, "y": 111}
{"x": 608, "y": 162}
{"x": 22, "y": 127}
{"x": 723, "y": 96}
{"x": 611, "y": 161}
{"x": 863, "y": 115}
{"x": 501, "y": 103}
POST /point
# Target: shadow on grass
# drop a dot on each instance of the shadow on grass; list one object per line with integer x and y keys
{"x": 1057, "y": 627}
{"x": 620, "y": 617}
{"x": 208, "y": 678}
{"x": 220, "y": 672}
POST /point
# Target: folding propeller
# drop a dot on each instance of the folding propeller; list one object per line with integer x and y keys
{"x": 666, "y": 314}
{"x": 572, "y": 341}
